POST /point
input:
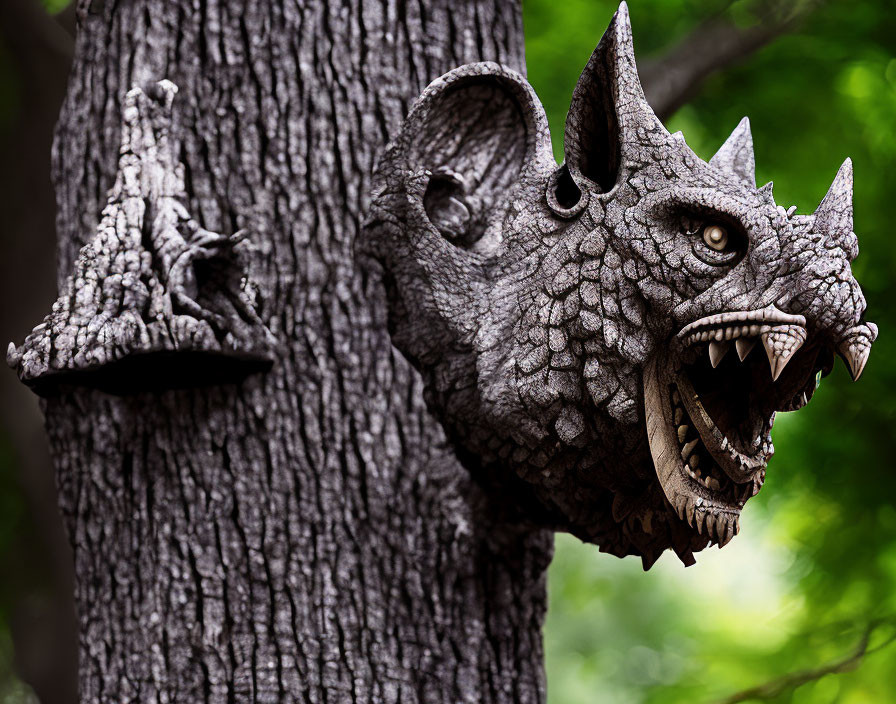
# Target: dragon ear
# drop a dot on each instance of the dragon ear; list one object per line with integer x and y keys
{"x": 608, "y": 116}
{"x": 736, "y": 157}
{"x": 471, "y": 137}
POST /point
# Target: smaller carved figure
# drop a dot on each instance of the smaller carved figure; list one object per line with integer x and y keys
{"x": 155, "y": 301}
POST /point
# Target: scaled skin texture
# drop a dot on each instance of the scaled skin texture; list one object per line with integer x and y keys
{"x": 607, "y": 341}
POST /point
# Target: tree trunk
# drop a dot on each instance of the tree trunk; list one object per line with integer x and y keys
{"x": 305, "y": 534}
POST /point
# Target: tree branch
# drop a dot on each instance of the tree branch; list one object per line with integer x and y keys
{"x": 778, "y": 686}
{"x": 672, "y": 79}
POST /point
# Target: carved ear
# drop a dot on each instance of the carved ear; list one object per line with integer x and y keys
{"x": 476, "y": 132}
{"x": 736, "y": 155}
{"x": 609, "y": 117}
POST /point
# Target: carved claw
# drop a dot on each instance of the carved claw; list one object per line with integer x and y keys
{"x": 204, "y": 245}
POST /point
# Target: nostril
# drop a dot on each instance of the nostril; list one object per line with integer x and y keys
{"x": 794, "y": 304}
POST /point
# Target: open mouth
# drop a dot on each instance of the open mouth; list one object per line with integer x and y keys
{"x": 710, "y": 402}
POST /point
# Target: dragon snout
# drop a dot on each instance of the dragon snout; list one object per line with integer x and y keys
{"x": 824, "y": 290}
{"x": 830, "y": 299}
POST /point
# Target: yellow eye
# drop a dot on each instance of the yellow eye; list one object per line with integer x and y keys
{"x": 716, "y": 237}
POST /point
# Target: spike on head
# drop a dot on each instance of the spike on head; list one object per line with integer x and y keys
{"x": 736, "y": 157}
{"x": 833, "y": 217}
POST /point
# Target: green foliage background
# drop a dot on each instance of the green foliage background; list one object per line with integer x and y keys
{"x": 816, "y": 560}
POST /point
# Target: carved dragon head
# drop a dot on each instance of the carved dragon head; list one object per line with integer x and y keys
{"x": 614, "y": 335}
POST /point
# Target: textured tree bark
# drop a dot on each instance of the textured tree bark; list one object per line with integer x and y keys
{"x": 306, "y": 534}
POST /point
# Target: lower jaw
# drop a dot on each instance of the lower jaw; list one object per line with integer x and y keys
{"x": 715, "y": 514}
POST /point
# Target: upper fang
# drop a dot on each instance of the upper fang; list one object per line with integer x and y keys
{"x": 781, "y": 343}
{"x": 717, "y": 350}
{"x": 744, "y": 345}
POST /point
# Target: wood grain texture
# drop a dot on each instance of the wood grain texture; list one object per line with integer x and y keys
{"x": 306, "y": 535}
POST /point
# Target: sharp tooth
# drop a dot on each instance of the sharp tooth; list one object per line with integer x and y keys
{"x": 855, "y": 351}
{"x": 712, "y": 526}
{"x": 676, "y": 397}
{"x": 12, "y": 355}
{"x": 700, "y": 517}
{"x": 717, "y": 350}
{"x": 781, "y": 343}
{"x": 805, "y": 398}
{"x": 689, "y": 513}
{"x": 744, "y": 345}
{"x": 688, "y": 449}
{"x": 682, "y": 432}
{"x": 713, "y": 483}
{"x": 679, "y": 416}
{"x": 737, "y": 525}
{"x": 694, "y": 461}
{"x": 726, "y": 535}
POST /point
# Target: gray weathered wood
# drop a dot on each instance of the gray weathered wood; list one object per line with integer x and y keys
{"x": 571, "y": 321}
{"x": 306, "y": 534}
{"x": 261, "y": 505}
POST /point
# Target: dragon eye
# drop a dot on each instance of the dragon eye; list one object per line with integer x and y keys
{"x": 716, "y": 237}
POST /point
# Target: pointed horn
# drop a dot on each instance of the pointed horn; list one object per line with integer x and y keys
{"x": 856, "y": 346}
{"x": 833, "y": 216}
{"x": 736, "y": 157}
{"x": 608, "y": 109}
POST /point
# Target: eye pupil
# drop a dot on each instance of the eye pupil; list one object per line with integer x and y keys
{"x": 716, "y": 237}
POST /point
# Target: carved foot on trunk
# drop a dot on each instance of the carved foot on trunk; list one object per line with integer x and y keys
{"x": 156, "y": 301}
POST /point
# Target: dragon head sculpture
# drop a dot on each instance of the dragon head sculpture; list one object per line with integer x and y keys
{"x": 609, "y": 339}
